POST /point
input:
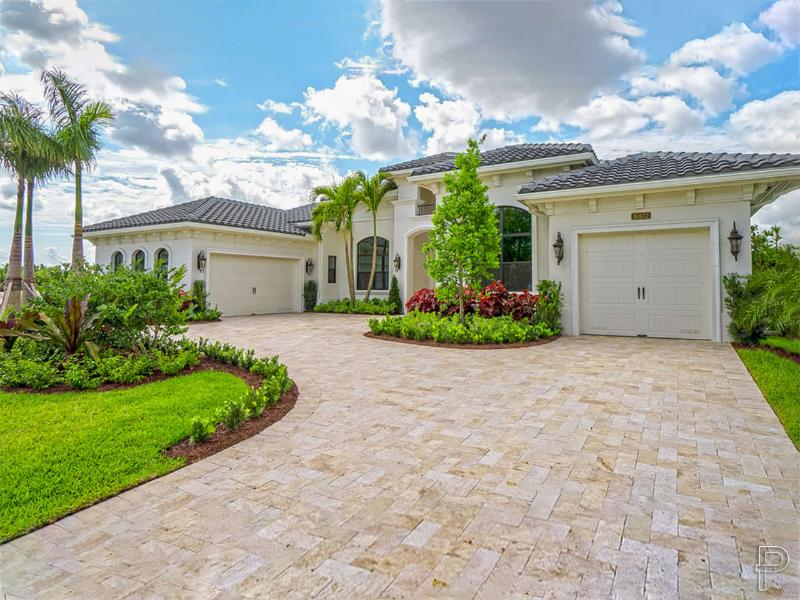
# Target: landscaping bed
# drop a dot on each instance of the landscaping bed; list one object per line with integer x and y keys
{"x": 376, "y": 306}
{"x": 459, "y": 346}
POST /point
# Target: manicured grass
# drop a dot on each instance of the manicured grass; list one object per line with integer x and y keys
{"x": 783, "y": 343}
{"x": 778, "y": 379}
{"x": 60, "y": 452}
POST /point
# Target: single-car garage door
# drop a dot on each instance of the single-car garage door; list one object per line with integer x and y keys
{"x": 648, "y": 283}
{"x": 253, "y": 285}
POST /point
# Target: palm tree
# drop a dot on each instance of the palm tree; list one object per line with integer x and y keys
{"x": 20, "y": 142}
{"x": 80, "y": 123}
{"x": 371, "y": 192}
{"x": 336, "y": 208}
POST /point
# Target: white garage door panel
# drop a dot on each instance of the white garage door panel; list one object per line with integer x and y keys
{"x": 253, "y": 285}
{"x": 653, "y": 283}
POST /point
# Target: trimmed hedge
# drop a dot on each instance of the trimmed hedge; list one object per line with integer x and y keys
{"x": 375, "y": 306}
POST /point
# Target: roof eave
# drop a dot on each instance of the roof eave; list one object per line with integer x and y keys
{"x": 777, "y": 174}
{"x": 563, "y": 159}
{"x": 89, "y": 235}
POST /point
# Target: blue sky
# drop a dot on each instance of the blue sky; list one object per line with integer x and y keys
{"x": 259, "y": 101}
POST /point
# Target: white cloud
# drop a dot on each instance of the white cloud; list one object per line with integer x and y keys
{"x": 272, "y": 106}
{"x": 714, "y": 91}
{"x": 279, "y": 138}
{"x": 783, "y": 17}
{"x": 365, "y": 108}
{"x": 167, "y": 133}
{"x": 450, "y": 122}
{"x": 221, "y": 83}
{"x": 771, "y": 125}
{"x": 736, "y": 47}
{"x": 513, "y": 59}
{"x": 784, "y": 212}
{"x": 52, "y": 256}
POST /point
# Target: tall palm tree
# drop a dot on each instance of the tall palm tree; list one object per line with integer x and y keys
{"x": 20, "y": 139}
{"x": 80, "y": 123}
{"x": 371, "y": 192}
{"x": 336, "y": 208}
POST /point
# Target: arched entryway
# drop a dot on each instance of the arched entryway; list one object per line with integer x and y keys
{"x": 416, "y": 277}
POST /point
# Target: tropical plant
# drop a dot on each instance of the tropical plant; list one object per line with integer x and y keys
{"x": 463, "y": 248}
{"x": 370, "y": 192}
{"x": 309, "y": 294}
{"x": 336, "y": 209}
{"x": 79, "y": 123}
{"x": 548, "y": 304}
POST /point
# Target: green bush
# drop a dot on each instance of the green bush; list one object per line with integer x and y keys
{"x": 81, "y": 374}
{"x": 170, "y": 364}
{"x": 125, "y": 369}
{"x": 199, "y": 295}
{"x": 16, "y": 370}
{"x": 739, "y": 295}
{"x": 375, "y": 306}
{"x": 475, "y": 329}
{"x": 394, "y": 299}
{"x": 548, "y": 304}
{"x": 232, "y": 413}
{"x": 310, "y": 294}
{"x": 208, "y": 314}
{"x": 201, "y": 430}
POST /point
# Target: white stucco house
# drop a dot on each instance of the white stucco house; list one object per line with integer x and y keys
{"x": 644, "y": 238}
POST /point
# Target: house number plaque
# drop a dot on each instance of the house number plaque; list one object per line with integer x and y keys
{"x": 640, "y": 216}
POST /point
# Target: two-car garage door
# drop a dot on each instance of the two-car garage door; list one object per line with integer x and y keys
{"x": 253, "y": 285}
{"x": 647, "y": 283}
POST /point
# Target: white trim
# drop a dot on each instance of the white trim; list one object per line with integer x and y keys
{"x": 518, "y": 165}
{"x": 713, "y": 241}
{"x": 300, "y": 266}
{"x": 181, "y": 225}
{"x": 697, "y": 181}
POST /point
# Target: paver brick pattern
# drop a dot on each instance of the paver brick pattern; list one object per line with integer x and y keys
{"x": 589, "y": 467}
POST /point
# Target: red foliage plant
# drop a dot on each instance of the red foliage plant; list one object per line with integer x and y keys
{"x": 494, "y": 300}
{"x": 186, "y": 300}
{"x": 523, "y": 305}
{"x": 423, "y": 300}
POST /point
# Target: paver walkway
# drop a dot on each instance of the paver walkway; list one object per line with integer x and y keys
{"x": 589, "y": 467}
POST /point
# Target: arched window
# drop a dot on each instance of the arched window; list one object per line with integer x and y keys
{"x": 162, "y": 259}
{"x": 116, "y": 260}
{"x": 515, "y": 262}
{"x": 138, "y": 260}
{"x": 364, "y": 264}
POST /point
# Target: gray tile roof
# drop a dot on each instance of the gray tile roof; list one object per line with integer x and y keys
{"x": 652, "y": 166}
{"x": 215, "y": 211}
{"x": 420, "y": 162}
{"x": 504, "y": 155}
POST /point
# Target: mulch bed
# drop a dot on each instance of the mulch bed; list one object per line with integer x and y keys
{"x": 435, "y": 344}
{"x": 779, "y": 351}
{"x": 225, "y": 438}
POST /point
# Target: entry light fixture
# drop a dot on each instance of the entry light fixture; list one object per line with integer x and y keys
{"x": 201, "y": 261}
{"x": 735, "y": 238}
{"x": 309, "y": 266}
{"x": 396, "y": 262}
{"x": 558, "y": 248}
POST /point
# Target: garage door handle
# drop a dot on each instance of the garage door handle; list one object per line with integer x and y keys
{"x": 638, "y": 293}
{"x": 644, "y": 293}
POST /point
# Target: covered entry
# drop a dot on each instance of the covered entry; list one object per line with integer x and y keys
{"x": 655, "y": 283}
{"x": 254, "y": 285}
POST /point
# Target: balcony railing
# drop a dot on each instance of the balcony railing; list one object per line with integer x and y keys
{"x": 426, "y": 209}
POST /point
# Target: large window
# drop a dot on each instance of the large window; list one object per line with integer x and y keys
{"x": 116, "y": 260}
{"x": 138, "y": 260}
{"x": 364, "y": 264}
{"x": 515, "y": 263}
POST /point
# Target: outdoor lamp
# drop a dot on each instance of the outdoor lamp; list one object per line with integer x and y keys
{"x": 558, "y": 248}
{"x": 735, "y": 238}
{"x": 396, "y": 262}
{"x": 309, "y": 266}
{"x": 201, "y": 261}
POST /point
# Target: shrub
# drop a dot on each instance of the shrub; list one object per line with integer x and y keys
{"x": 199, "y": 295}
{"x": 17, "y": 370}
{"x": 394, "y": 297}
{"x": 125, "y": 369}
{"x": 738, "y": 297}
{"x": 423, "y": 300}
{"x": 475, "y": 329}
{"x": 232, "y": 413}
{"x": 548, "y": 304}
{"x": 209, "y": 314}
{"x": 522, "y": 306}
{"x": 201, "y": 430}
{"x": 375, "y": 306}
{"x": 310, "y": 295}
{"x": 82, "y": 375}
{"x": 494, "y": 301}
{"x": 172, "y": 363}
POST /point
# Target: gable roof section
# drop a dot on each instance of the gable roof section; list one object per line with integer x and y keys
{"x": 654, "y": 166}
{"x": 215, "y": 211}
{"x": 420, "y": 162}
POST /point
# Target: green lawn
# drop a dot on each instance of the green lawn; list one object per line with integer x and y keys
{"x": 783, "y": 343}
{"x": 779, "y": 380}
{"x": 60, "y": 452}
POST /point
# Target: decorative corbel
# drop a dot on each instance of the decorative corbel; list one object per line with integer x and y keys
{"x": 638, "y": 200}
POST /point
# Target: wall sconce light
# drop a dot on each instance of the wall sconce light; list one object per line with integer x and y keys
{"x": 201, "y": 261}
{"x": 735, "y": 238}
{"x": 558, "y": 248}
{"x": 396, "y": 262}
{"x": 309, "y": 266}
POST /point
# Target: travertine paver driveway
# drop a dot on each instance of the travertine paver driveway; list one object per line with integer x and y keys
{"x": 589, "y": 467}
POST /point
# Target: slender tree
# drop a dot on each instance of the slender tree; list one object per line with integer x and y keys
{"x": 20, "y": 139}
{"x": 370, "y": 192}
{"x": 338, "y": 202}
{"x": 80, "y": 123}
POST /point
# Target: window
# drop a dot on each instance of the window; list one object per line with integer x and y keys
{"x": 116, "y": 260}
{"x": 364, "y": 264}
{"x": 515, "y": 262}
{"x": 138, "y": 260}
{"x": 162, "y": 260}
{"x": 331, "y": 269}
